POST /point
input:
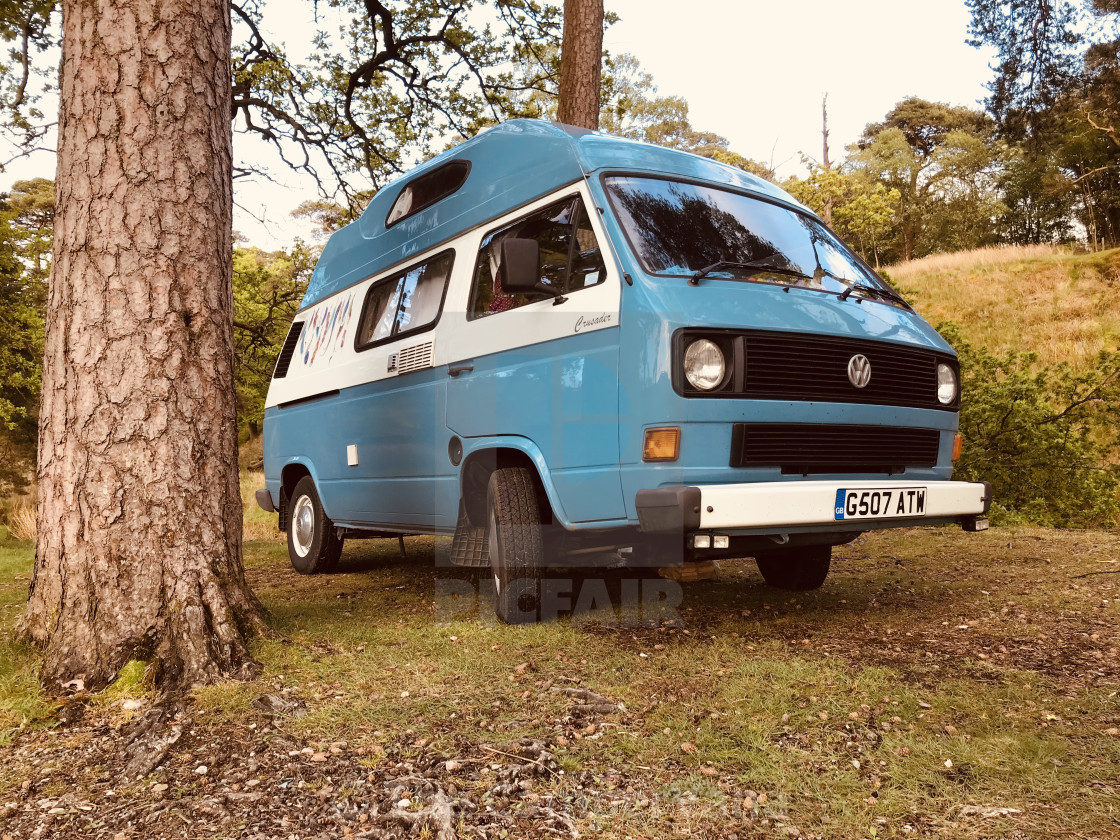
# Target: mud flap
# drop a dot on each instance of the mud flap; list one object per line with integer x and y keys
{"x": 469, "y": 546}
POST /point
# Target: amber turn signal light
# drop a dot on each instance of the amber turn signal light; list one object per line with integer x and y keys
{"x": 662, "y": 444}
{"x": 957, "y": 441}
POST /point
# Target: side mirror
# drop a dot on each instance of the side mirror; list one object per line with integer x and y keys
{"x": 521, "y": 269}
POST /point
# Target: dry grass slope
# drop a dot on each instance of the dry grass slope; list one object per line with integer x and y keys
{"x": 257, "y": 525}
{"x": 1062, "y": 305}
{"x": 20, "y": 519}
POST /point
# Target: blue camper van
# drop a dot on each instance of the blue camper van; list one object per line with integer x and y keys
{"x": 548, "y": 343}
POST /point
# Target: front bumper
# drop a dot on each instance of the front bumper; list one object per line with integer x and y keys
{"x": 778, "y": 506}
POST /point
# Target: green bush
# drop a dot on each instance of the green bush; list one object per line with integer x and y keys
{"x": 1046, "y": 438}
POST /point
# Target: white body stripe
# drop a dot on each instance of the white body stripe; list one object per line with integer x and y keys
{"x": 325, "y": 358}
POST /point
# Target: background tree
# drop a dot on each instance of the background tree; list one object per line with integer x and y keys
{"x": 635, "y": 110}
{"x": 373, "y": 99}
{"x": 267, "y": 289}
{"x": 26, "y": 222}
{"x": 21, "y": 353}
{"x": 138, "y": 486}
{"x": 389, "y": 88}
{"x": 863, "y": 210}
{"x": 581, "y": 63}
{"x": 867, "y": 217}
{"x": 325, "y": 217}
{"x": 1040, "y": 197}
{"x": 631, "y": 106}
{"x": 33, "y": 204}
{"x": 942, "y": 160}
{"x": 1056, "y": 94}
{"x": 1036, "y": 44}
{"x": 28, "y": 26}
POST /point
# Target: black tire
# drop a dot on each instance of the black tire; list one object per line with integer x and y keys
{"x": 515, "y": 547}
{"x": 796, "y": 569}
{"x": 313, "y": 546}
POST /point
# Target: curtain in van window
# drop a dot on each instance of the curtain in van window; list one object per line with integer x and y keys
{"x": 421, "y": 294}
{"x": 405, "y": 303}
{"x": 381, "y": 313}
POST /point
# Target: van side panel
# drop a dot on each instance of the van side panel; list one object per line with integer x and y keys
{"x": 399, "y": 448}
{"x": 367, "y": 424}
{"x": 561, "y": 394}
{"x": 395, "y": 426}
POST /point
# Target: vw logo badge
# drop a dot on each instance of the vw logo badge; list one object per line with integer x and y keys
{"x": 859, "y": 370}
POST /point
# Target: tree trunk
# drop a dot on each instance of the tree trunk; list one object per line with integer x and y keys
{"x": 139, "y": 550}
{"x": 581, "y": 63}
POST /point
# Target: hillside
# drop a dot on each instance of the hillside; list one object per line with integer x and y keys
{"x": 1062, "y": 305}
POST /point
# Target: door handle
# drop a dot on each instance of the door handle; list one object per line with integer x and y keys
{"x": 454, "y": 372}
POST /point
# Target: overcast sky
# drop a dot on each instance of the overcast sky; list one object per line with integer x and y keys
{"x": 754, "y": 72}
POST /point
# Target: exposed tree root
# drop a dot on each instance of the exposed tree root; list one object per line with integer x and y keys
{"x": 438, "y": 814}
{"x": 151, "y": 736}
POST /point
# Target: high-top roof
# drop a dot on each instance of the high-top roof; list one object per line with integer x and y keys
{"x": 510, "y": 165}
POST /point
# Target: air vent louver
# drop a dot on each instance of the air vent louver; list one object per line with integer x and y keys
{"x": 417, "y": 357}
{"x": 289, "y": 350}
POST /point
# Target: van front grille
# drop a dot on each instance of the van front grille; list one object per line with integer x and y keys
{"x": 799, "y": 367}
{"x": 806, "y": 448}
{"x": 785, "y": 366}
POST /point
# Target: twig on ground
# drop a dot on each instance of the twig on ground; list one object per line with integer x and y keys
{"x": 537, "y": 762}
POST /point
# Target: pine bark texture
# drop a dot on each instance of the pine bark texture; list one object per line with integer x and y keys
{"x": 139, "y": 515}
{"x": 581, "y": 63}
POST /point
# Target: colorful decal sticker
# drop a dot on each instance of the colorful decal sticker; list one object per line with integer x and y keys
{"x": 325, "y": 332}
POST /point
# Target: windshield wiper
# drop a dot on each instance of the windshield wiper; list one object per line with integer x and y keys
{"x": 763, "y": 263}
{"x": 890, "y": 294}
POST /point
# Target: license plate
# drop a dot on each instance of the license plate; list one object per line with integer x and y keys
{"x": 881, "y": 503}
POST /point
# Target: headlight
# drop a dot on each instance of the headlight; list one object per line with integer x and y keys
{"x": 704, "y": 365}
{"x": 946, "y": 384}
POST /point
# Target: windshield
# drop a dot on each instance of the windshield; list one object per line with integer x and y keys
{"x": 677, "y": 228}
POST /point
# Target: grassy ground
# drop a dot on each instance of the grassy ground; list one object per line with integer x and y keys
{"x": 935, "y": 679}
{"x": 258, "y": 525}
{"x": 1064, "y": 306}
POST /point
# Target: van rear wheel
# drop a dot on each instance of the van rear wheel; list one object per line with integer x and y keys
{"x": 313, "y": 546}
{"x": 796, "y": 569}
{"x": 515, "y": 546}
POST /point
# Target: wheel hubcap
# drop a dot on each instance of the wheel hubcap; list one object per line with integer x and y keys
{"x": 303, "y": 526}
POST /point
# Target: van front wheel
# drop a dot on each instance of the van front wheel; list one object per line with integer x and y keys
{"x": 313, "y": 545}
{"x": 515, "y": 546}
{"x": 796, "y": 569}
